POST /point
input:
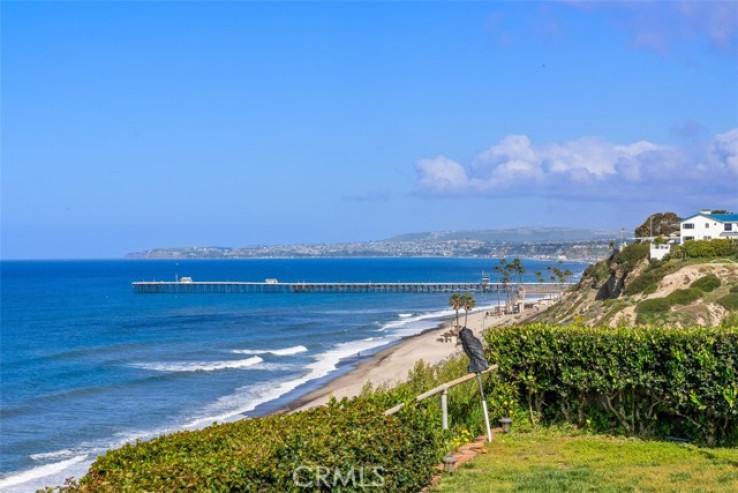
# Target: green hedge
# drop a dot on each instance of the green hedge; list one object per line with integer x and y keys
{"x": 352, "y": 445}
{"x": 649, "y": 381}
{"x": 710, "y": 248}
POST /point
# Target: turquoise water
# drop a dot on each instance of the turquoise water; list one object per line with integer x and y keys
{"x": 88, "y": 365}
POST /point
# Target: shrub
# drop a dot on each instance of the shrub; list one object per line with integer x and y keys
{"x": 650, "y": 289}
{"x": 632, "y": 254}
{"x": 262, "y": 454}
{"x": 729, "y": 301}
{"x": 707, "y": 283}
{"x": 645, "y": 282}
{"x": 723, "y": 247}
{"x": 598, "y": 272}
{"x": 734, "y": 289}
{"x": 730, "y": 320}
{"x": 654, "y": 305}
{"x": 649, "y": 381}
{"x": 684, "y": 296}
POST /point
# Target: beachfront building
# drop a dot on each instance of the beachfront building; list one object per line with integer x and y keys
{"x": 708, "y": 226}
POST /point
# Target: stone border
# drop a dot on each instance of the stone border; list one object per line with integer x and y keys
{"x": 464, "y": 454}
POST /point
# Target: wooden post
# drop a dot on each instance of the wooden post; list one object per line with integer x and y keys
{"x": 444, "y": 408}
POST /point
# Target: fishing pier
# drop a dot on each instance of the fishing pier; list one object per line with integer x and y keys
{"x": 186, "y": 286}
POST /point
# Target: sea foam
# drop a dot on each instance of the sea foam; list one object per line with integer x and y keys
{"x": 406, "y": 320}
{"x": 277, "y": 352}
{"x": 201, "y": 365}
{"x": 39, "y": 472}
{"x": 53, "y": 455}
{"x": 248, "y": 398}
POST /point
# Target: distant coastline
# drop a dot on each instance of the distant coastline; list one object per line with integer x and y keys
{"x": 136, "y": 256}
{"x": 537, "y": 244}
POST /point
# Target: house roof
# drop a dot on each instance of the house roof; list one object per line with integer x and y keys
{"x": 723, "y": 218}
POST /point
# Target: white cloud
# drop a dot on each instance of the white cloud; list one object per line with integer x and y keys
{"x": 512, "y": 160}
{"x": 718, "y": 19}
{"x": 585, "y": 159}
{"x": 586, "y": 168}
{"x": 441, "y": 175}
{"x": 659, "y": 25}
{"x": 724, "y": 151}
{"x": 512, "y": 147}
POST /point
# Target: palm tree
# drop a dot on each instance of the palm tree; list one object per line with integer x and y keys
{"x": 504, "y": 272}
{"x": 501, "y": 269}
{"x": 467, "y": 302}
{"x": 559, "y": 275}
{"x": 456, "y": 304}
{"x": 517, "y": 267}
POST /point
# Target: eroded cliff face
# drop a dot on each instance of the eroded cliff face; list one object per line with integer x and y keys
{"x": 613, "y": 285}
{"x": 620, "y": 274}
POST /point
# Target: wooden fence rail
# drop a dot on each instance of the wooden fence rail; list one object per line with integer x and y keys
{"x": 443, "y": 390}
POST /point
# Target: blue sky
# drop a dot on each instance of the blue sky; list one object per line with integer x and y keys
{"x": 134, "y": 125}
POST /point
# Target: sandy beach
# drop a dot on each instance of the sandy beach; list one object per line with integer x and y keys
{"x": 392, "y": 364}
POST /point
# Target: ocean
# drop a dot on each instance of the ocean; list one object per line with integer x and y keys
{"x": 88, "y": 365}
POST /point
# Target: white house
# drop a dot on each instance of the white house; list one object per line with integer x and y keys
{"x": 708, "y": 226}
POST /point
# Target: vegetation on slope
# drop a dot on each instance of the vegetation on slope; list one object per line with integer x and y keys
{"x": 628, "y": 289}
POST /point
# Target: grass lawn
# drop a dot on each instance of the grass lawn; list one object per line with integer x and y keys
{"x": 554, "y": 461}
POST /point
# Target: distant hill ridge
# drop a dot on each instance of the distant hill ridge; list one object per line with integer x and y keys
{"x": 513, "y": 235}
{"x": 524, "y": 242}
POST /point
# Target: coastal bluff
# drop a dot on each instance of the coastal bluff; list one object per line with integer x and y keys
{"x": 627, "y": 289}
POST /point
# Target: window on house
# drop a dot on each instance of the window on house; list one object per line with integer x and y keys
{"x": 707, "y": 225}
{"x": 688, "y": 238}
{"x": 728, "y": 227}
{"x": 688, "y": 226}
{"x": 708, "y": 237}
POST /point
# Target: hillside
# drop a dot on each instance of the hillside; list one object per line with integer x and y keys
{"x": 627, "y": 289}
{"x": 541, "y": 243}
{"x": 514, "y": 235}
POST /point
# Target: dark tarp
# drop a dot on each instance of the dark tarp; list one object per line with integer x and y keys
{"x": 473, "y": 349}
